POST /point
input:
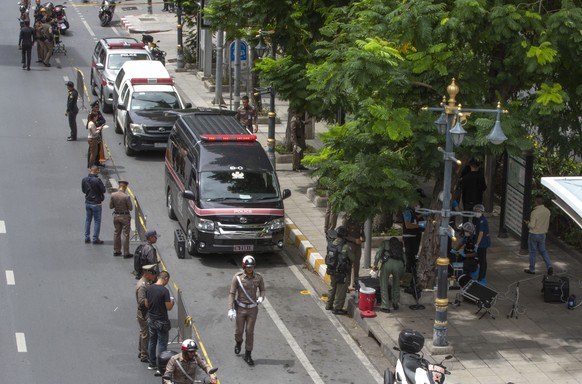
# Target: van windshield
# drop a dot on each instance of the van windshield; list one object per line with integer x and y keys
{"x": 237, "y": 185}
{"x": 154, "y": 100}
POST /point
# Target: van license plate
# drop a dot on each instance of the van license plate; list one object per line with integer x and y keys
{"x": 243, "y": 248}
{"x": 160, "y": 145}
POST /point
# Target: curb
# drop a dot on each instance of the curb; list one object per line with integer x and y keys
{"x": 307, "y": 250}
{"x": 126, "y": 24}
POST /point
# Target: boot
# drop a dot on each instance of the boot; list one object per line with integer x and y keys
{"x": 248, "y": 358}
{"x": 237, "y": 348}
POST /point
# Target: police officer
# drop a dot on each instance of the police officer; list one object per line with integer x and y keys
{"x": 149, "y": 273}
{"x": 246, "y": 114}
{"x": 298, "y": 140}
{"x": 149, "y": 251}
{"x": 243, "y": 305}
{"x": 44, "y": 34}
{"x": 72, "y": 110}
{"x": 340, "y": 280}
{"x": 390, "y": 260}
{"x": 181, "y": 368}
{"x": 122, "y": 206}
{"x": 26, "y": 41}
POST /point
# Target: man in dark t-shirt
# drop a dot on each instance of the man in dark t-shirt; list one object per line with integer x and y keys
{"x": 159, "y": 302}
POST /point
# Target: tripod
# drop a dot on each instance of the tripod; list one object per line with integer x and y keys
{"x": 515, "y": 307}
{"x": 416, "y": 306}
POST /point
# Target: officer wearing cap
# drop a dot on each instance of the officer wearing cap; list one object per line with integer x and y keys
{"x": 122, "y": 206}
{"x": 150, "y": 252}
{"x": 149, "y": 273}
{"x": 72, "y": 110}
{"x": 243, "y": 305}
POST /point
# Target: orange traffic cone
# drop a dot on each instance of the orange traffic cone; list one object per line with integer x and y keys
{"x": 102, "y": 158}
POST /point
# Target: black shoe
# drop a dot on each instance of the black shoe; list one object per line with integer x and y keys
{"x": 87, "y": 241}
{"x": 550, "y": 271}
{"x": 152, "y": 367}
{"x": 39, "y": 61}
{"x": 128, "y": 256}
{"x": 237, "y": 348}
{"x": 248, "y": 358}
{"x": 71, "y": 139}
{"x": 385, "y": 310}
{"x": 395, "y": 306}
{"x": 23, "y": 66}
{"x": 529, "y": 272}
{"x": 340, "y": 312}
{"x": 28, "y": 69}
{"x": 328, "y": 308}
{"x": 116, "y": 253}
{"x": 47, "y": 65}
{"x": 98, "y": 241}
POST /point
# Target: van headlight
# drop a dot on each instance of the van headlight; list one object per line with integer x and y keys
{"x": 136, "y": 128}
{"x": 205, "y": 225}
{"x": 276, "y": 224}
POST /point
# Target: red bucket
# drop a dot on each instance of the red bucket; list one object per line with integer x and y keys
{"x": 367, "y": 299}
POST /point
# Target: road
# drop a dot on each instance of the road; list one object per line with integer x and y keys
{"x": 68, "y": 311}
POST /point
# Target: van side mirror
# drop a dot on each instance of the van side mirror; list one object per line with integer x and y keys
{"x": 189, "y": 195}
{"x": 286, "y": 193}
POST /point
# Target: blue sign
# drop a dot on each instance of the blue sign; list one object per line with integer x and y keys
{"x": 243, "y": 51}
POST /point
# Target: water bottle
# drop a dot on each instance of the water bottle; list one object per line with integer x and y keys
{"x": 571, "y": 302}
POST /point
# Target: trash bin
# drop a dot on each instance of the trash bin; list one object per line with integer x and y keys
{"x": 367, "y": 299}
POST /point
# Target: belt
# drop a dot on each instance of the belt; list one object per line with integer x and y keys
{"x": 246, "y": 305}
{"x": 121, "y": 213}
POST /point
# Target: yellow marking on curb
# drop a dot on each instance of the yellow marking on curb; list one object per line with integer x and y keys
{"x": 318, "y": 263}
{"x": 305, "y": 292}
{"x": 291, "y": 227}
{"x": 299, "y": 239}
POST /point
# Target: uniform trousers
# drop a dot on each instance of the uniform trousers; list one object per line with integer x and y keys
{"x": 26, "y": 56}
{"x": 245, "y": 322}
{"x": 47, "y": 51}
{"x": 396, "y": 269}
{"x": 357, "y": 248}
{"x": 93, "y": 150}
{"x": 482, "y": 255}
{"x": 411, "y": 246}
{"x": 330, "y": 218}
{"x": 336, "y": 297}
{"x": 40, "y": 51}
{"x": 122, "y": 224}
{"x": 142, "y": 345}
{"x": 72, "y": 116}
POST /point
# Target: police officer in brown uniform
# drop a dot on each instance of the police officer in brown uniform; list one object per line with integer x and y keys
{"x": 243, "y": 305}
{"x": 121, "y": 204}
{"x": 246, "y": 114}
{"x": 355, "y": 238}
{"x": 149, "y": 273}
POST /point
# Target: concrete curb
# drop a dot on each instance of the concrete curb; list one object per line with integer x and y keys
{"x": 128, "y": 26}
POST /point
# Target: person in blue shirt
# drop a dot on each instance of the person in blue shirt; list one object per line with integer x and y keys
{"x": 482, "y": 239}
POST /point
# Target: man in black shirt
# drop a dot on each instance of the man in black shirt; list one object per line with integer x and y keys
{"x": 94, "y": 191}
{"x": 472, "y": 186}
{"x": 158, "y": 302}
{"x": 26, "y": 41}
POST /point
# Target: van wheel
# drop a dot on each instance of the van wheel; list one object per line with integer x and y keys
{"x": 171, "y": 213}
{"x": 388, "y": 377}
{"x": 190, "y": 241}
{"x": 128, "y": 150}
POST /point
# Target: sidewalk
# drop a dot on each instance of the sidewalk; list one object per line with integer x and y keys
{"x": 543, "y": 344}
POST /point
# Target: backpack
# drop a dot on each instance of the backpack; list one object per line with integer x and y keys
{"x": 139, "y": 260}
{"x": 333, "y": 255}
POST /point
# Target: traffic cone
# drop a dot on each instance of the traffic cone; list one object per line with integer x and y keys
{"x": 102, "y": 158}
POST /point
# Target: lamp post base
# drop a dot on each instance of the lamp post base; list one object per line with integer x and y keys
{"x": 437, "y": 350}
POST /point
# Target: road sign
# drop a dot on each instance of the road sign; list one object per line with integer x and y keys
{"x": 243, "y": 51}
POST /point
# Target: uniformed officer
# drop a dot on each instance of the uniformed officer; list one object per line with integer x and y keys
{"x": 246, "y": 114}
{"x": 298, "y": 140}
{"x": 390, "y": 260}
{"x": 44, "y": 34}
{"x": 243, "y": 305}
{"x": 182, "y": 367}
{"x": 122, "y": 206}
{"x": 149, "y": 273}
{"x": 72, "y": 110}
{"x": 340, "y": 280}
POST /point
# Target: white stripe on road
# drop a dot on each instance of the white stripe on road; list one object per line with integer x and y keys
{"x": 116, "y": 31}
{"x": 292, "y": 343}
{"x": 20, "y": 342}
{"x": 88, "y": 28}
{"x": 10, "y": 278}
{"x": 2, "y": 226}
{"x": 337, "y": 324}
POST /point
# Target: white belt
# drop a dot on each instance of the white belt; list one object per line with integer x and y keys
{"x": 246, "y": 305}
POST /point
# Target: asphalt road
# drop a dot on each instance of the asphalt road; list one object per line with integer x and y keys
{"x": 68, "y": 308}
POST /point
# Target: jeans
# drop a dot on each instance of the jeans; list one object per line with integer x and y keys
{"x": 157, "y": 339}
{"x": 537, "y": 242}
{"x": 93, "y": 213}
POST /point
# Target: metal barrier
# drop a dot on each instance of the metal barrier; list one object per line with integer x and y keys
{"x": 140, "y": 219}
{"x": 184, "y": 319}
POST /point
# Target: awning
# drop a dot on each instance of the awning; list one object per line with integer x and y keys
{"x": 568, "y": 191}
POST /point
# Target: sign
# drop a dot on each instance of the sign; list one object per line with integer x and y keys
{"x": 243, "y": 51}
{"x": 514, "y": 194}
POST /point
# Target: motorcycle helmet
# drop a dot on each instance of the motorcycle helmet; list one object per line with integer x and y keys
{"x": 248, "y": 261}
{"x": 341, "y": 231}
{"x": 189, "y": 345}
{"x": 410, "y": 341}
{"x": 468, "y": 227}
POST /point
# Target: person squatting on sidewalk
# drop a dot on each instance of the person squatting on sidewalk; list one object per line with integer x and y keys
{"x": 243, "y": 305}
{"x": 538, "y": 225}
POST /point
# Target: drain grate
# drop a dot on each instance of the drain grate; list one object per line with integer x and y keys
{"x": 129, "y": 8}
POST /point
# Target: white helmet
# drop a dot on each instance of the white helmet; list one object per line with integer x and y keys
{"x": 469, "y": 227}
{"x": 248, "y": 261}
{"x": 189, "y": 345}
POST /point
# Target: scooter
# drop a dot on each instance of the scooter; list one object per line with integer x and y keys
{"x": 411, "y": 367}
{"x": 106, "y": 12}
{"x": 61, "y": 18}
{"x": 163, "y": 362}
{"x": 153, "y": 48}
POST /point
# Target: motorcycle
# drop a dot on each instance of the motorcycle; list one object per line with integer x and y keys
{"x": 153, "y": 48}
{"x": 411, "y": 367}
{"x": 106, "y": 12}
{"x": 57, "y": 12}
{"x": 24, "y": 14}
{"x": 163, "y": 362}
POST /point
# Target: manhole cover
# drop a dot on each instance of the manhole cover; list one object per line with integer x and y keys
{"x": 147, "y": 19}
{"x": 129, "y": 8}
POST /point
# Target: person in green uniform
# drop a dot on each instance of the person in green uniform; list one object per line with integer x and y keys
{"x": 390, "y": 260}
{"x": 340, "y": 278}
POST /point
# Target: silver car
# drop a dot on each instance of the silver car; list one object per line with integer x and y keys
{"x": 108, "y": 56}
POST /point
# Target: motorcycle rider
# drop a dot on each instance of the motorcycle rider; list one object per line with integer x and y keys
{"x": 181, "y": 368}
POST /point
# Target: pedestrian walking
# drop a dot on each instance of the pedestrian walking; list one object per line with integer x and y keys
{"x": 149, "y": 273}
{"x": 94, "y": 191}
{"x": 355, "y": 238}
{"x": 26, "y": 41}
{"x": 159, "y": 302}
{"x": 340, "y": 277}
{"x": 93, "y": 132}
{"x": 538, "y": 224}
{"x": 390, "y": 260}
{"x": 247, "y": 115}
{"x": 482, "y": 240}
{"x": 182, "y": 367}
{"x": 72, "y": 110}
{"x": 122, "y": 206}
{"x": 472, "y": 187}
{"x": 243, "y": 305}
{"x": 298, "y": 140}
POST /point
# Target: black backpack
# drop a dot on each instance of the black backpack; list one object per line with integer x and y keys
{"x": 139, "y": 260}
{"x": 333, "y": 255}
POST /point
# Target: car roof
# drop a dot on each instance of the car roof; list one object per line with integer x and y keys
{"x": 118, "y": 39}
{"x": 154, "y": 88}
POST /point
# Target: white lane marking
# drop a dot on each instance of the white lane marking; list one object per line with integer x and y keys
{"x": 2, "y": 226}
{"x": 292, "y": 343}
{"x": 337, "y": 324}
{"x": 10, "y": 277}
{"x": 116, "y": 31}
{"x": 88, "y": 28}
{"x": 20, "y": 342}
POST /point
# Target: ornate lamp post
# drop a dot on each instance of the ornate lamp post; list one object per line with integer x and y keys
{"x": 450, "y": 124}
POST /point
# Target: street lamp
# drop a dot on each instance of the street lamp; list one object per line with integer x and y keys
{"x": 450, "y": 123}
{"x": 260, "y": 48}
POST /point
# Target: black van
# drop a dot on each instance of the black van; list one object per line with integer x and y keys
{"x": 221, "y": 187}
